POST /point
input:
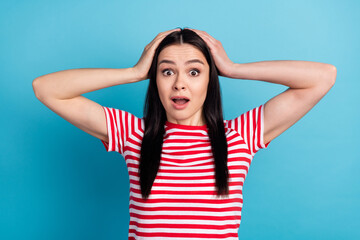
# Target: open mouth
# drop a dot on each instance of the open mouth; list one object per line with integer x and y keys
{"x": 180, "y": 101}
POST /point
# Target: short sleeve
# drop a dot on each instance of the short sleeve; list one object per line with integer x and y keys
{"x": 250, "y": 125}
{"x": 119, "y": 124}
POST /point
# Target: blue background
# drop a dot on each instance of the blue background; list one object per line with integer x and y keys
{"x": 58, "y": 182}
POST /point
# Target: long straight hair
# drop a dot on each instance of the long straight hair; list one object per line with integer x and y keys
{"x": 155, "y": 117}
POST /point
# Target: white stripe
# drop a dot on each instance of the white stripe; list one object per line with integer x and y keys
{"x": 175, "y": 144}
{"x": 184, "y": 213}
{"x": 182, "y": 230}
{"x": 187, "y": 164}
{"x": 185, "y": 150}
{"x": 120, "y": 119}
{"x": 256, "y": 148}
{"x": 192, "y": 197}
{"x": 179, "y": 130}
{"x": 185, "y": 189}
{"x": 176, "y": 238}
{"x": 262, "y": 128}
{"x": 234, "y": 179}
{"x": 184, "y": 221}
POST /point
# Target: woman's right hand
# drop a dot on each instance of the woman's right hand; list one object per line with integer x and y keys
{"x": 142, "y": 67}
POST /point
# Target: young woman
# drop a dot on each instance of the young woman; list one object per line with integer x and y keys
{"x": 186, "y": 164}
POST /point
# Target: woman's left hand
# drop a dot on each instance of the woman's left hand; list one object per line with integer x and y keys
{"x": 222, "y": 61}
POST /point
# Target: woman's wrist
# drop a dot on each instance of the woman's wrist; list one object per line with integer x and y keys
{"x": 138, "y": 76}
{"x": 233, "y": 70}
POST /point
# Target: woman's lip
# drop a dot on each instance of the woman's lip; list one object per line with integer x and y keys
{"x": 180, "y": 97}
{"x": 179, "y": 106}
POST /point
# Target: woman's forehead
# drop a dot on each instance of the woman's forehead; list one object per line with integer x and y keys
{"x": 181, "y": 53}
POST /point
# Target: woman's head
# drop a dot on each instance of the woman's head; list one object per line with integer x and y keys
{"x": 176, "y": 77}
{"x": 171, "y": 76}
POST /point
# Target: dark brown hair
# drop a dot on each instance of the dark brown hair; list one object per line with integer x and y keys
{"x": 155, "y": 117}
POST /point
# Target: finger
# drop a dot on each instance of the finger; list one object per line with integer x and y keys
{"x": 205, "y": 35}
{"x": 168, "y": 31}
{"x": 208, "y": 41}
{"x": 209, "y": 37}
{"x": 161, "y": 36}
{"x": 201, "y": 34}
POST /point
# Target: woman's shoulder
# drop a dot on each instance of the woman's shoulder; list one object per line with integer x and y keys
{"x": 123, "y": 118}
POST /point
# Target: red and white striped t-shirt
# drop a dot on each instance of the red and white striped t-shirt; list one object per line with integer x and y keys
{"x": 183, "y": 202}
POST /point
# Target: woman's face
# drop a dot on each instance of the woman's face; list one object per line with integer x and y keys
{"x": 182, "y": 70}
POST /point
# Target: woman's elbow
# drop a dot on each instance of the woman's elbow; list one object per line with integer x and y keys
{"x": 333, "y": 73}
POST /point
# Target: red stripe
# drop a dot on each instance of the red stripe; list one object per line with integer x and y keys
{"x": 183, "y": 235}
{"x": 186, "y": 208}
{"x": 254, "y": 130}
{"x": 248, "y": 139}
{"x": 194, "y": 226}
{"x": 112, "y": 127}
{"x": 189, "y": 201}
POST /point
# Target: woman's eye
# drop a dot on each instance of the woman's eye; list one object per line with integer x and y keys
{"x": 165, "y": 70}
{"x": 194, "y": 70}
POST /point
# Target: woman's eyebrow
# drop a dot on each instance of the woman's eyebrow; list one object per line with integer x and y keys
{"x": 190, "y": 61}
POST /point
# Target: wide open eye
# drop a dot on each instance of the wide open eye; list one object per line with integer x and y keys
{"x": 196, "y": 71}
{"x": 166, "y": 71}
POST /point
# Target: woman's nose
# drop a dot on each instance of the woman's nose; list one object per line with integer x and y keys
{"x": 179, "y": 83}
{"x": 177, "y": 87}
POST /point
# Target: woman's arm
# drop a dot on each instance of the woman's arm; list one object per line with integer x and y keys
{"x": 71, "y": 83}
{"x": 61, "y": 91}
{"x": 308, "y": 82}
{"x": 291, "y": 73}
